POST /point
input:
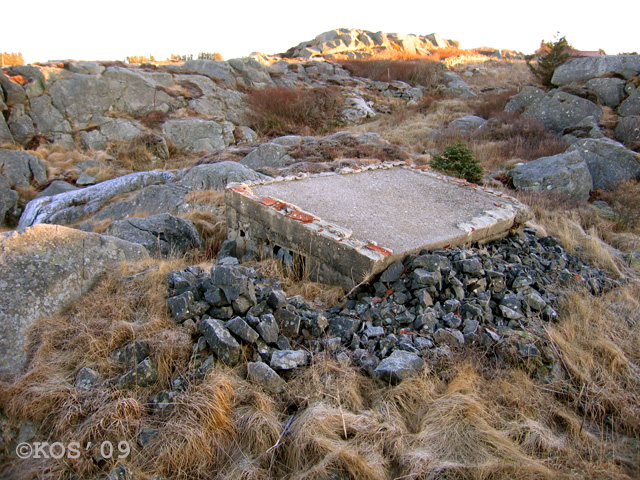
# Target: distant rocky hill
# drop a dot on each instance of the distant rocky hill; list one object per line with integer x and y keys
{"x": 355, "y": 43}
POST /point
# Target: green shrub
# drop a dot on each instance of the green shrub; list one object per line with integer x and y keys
{"x": 458, "y": 160}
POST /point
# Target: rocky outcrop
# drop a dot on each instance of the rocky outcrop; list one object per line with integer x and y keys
{"x": 579, "y": 70}
{"x": 17, "y": 170}
{"x": 69, "y": 207}
{"x": 162, "y": 234}
{"x": 559, "y": 110}
{"x": 609, "y": 162}
{"x": 198, "y": 134}
{"x": 566, "y": 172}
{"x": 269, "y": 155}
{"x": 354, "y": 43}
{"x": 44, "y": 269}
{"x": 628, "y": 131}
{"x": 215, "y": 176}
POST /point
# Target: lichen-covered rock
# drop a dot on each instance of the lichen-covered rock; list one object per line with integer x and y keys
{"x": 264, "y": 375}
{"x": 198, "y": 134}
{"x": 561, "y": 110}
{"x": 220, "y": 340}
{"x": 44, "y": 269}
{"x": 143, "y": 374}
{"x": 215, "y": 176}
{"x": 398, "y": 366}
{"x": 579, "y": 70}
{"x": 631, "y": 106}
{"x": 70, "y": 207}
{"x": 628, "y": 131}
{"x": 267, "y": 155}
{"x": 566, "y": 172}
{"x": 610, "y": 91}
{"x": 289, "y": 359}
{"x": 162, "y": 234}
{"x": 609, "y": 162}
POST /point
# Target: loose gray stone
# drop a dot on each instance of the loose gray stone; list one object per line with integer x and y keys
{"x": 239, "y": 327}
{"x": 268, "y": 329}
{"x": 86, "y": 379}
{"x": 220, "y": 340}
{"x": 142, "y": 375}
{"x": 263, "y": 374}
{"x": 399, "y": 366}
{"x": 343, "y": 327}
{"x": 628, "y": 131}
{"x": 289, "y": 359}
{"x": 449, "y": 336}
{"x": 392, "y": 273}
{"x": 132, "y": 352}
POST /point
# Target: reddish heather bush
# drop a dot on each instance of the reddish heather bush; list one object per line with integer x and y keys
{"x": 423, "y": 71}
{"x": 521, "y": 137}
{"x": 492, "y": 103}
{"x": 292, "y": 110}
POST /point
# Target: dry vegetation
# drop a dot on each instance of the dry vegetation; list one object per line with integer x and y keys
{"x": 293, "y": 110}
{"x": 466, "y": 417}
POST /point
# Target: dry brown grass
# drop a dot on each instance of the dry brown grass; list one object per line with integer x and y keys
{"x": 464, "y": 418}
{"x": 499, "y": 75}
{"x": 138, "y": 155}
{"x": 292, "y": 110}
{"x": 326, "y": 295}
{"x": 213, "y": 229}
{"x": 210, "y": 198}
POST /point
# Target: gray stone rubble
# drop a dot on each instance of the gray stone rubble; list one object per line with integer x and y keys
{"x": 422, "y": 309}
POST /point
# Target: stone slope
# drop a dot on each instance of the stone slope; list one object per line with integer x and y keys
{"x": 356, "y": 43}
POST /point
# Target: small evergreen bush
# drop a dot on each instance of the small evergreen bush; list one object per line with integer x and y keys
{"x": 458, "y": 160}
{"x": 551, "y": 56}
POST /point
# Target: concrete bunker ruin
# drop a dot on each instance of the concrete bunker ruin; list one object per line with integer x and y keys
{"x": 344, "y": 227}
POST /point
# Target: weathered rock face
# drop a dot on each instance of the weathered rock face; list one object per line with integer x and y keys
{"x": 631, "y": 106}
{"x": 44, "y": 269}
{"x": 197, "y": 134}
{"x": 561, "y": 110}
{"x": 608, "y": 161}
{"x": 267, "y": 155}
{"x": 579, "y": 70}
{"x": 610, "y": 91}
{"x": 566, "y": 172}
{"x": 161, "y": 234}
{"x": 21, "y": 168}
{"x": 70, "y": 207}
{"x": 628, "y": 131}
{"x": 215, "y": 176}
{"x": 17, "y": 169}
{"x": 356, "y": 43}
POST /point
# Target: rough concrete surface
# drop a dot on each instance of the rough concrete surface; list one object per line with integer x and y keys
{"x": 348, "y": 226}
{"x": 399, "y": 209}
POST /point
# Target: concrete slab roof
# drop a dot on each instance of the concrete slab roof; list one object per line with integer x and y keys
{"x": 382, "y": 212}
